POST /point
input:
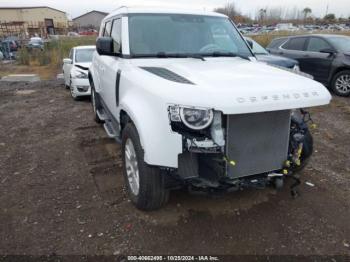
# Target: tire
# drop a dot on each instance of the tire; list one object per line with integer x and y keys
{"x": 95, "y": 105}
{"x": 151, "y": 193}
{"x": 341, "y": 83}
{"x": 308, "y": 148}
{"x": 66, "y": 86}
{"x": 74, "y": 96}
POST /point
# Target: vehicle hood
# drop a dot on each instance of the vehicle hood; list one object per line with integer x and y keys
{"x": 231, "y": 85}
{"x": 277, "y": 60}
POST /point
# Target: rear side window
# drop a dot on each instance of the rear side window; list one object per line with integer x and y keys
{"x": 317, "y": 44}
{"x": 108, "y": 28}
{"x": 297, "y": 44}
{"x": 71, "y": 54}
{"x": 276, "y": 43}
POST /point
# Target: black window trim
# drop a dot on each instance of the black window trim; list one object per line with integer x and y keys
{"x": 291, "y": 38}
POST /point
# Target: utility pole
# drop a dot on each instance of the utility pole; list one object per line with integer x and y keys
{"x": 327, "y": 8}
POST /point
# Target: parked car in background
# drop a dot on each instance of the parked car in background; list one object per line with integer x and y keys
{"x": 89, "y": 32}
{"x": 264, "y": 56}
{"x": 36, "y": 43}
{"x": 73, "y": 34}
{"x": 75, "y": 71}
{"x": 1, "y": 56}
{"x": 325, "y": 57}
{"x": 15, "y": 39}
{"x": 9, "y": 49}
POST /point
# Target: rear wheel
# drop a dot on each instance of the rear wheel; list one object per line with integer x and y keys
{"x": 341, "y": 83}
{"x": 145, "y": 184}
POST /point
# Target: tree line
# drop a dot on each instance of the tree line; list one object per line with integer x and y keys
{"x": 273, "y": 15}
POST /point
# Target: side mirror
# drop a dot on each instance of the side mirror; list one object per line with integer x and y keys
{"x": 67, "y": 61}
{"x": 328, "y": 51}
{"x": 104, "y": 46}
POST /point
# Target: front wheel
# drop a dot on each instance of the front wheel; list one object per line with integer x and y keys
{"x": 145, "y": 184}
{"x": 73, "y": 94}
{"x": 341, "y": 83}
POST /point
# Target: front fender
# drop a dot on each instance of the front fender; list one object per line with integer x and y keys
{"x": 160, "y": 144}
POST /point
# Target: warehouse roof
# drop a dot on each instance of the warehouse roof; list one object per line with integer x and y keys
{"x": 93, "y": 11}
{"x": 29, "y": 7}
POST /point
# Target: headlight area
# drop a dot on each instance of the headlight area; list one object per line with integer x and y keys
{"x": 201, "y": 128}
{"x": 80, "y": 75}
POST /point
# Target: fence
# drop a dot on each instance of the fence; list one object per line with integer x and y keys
{"x": 24, "y": 30}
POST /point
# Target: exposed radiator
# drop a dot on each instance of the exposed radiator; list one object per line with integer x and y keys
{"x": 258, "y": 142}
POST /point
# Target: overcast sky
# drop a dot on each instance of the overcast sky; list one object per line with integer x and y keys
{"x": 77, "y": 7}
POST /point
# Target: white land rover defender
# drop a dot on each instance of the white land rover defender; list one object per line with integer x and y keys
{"x": 184, "y": 95}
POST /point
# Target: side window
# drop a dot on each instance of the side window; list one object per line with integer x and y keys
{"x": 317, "y": 44}
{"x": 108, "y": 28}
{"x": 102, "y": 29}
{"x": 295, "y": 44}
{"x": 71, "y": 54}
{"x": 117, "y": 35}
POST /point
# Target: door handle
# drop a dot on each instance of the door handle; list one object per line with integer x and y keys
{"x": 306, "y": 56}
{"x": 280, "y": 53}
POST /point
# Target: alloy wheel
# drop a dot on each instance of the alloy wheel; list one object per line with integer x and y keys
{"x": 342, "y": 84}
{"x": 131, "y": 165}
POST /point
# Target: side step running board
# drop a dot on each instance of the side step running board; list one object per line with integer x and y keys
{"x": 110, "y": 131}
{"x": 101, "y": 115}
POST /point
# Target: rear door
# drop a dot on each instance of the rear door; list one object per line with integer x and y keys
{"x": 316, "y": 63}
{"x": 294, "y": 48}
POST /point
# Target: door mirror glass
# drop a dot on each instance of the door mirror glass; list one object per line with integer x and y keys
{"x": 67, "y": 61}
{"x": 104, "y": 46}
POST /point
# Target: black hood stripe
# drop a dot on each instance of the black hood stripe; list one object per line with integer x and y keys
{"x": 167, "y": 74}
{"x": 82, "y": 67}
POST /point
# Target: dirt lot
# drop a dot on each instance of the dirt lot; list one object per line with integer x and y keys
{"x": 62, "y": 191}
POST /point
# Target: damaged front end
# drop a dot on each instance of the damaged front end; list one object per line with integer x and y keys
{"x": 231, "y": 152}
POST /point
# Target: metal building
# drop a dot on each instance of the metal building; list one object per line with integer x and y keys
{"x": 90, "y": 20}
{"x": 41, "y": 20}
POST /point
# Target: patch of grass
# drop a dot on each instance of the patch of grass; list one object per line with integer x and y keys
{"x": 53, "y": 52}
{"x": 47, "y": 72}
{"x": 265, "y": 39}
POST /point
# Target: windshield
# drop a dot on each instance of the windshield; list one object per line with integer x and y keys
{"x": 84, "y": 55}
{"x": 178, "y": 34}
{"x": 258, "y": 49}
{"x": 341, "y": 43}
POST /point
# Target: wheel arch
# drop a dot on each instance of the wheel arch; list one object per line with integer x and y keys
{"x": 161, "y": 146}
{"x": 337, "y": 71}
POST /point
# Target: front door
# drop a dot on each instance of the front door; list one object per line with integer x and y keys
{"x": 315, "y": 62}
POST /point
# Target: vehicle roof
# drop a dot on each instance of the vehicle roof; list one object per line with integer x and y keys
{"x": 159, "y": 10}
{"x": 85, "y": 47}
{"x": 317, "y": 35}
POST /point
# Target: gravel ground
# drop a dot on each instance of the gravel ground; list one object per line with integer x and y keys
{"x": 62, "y": 191}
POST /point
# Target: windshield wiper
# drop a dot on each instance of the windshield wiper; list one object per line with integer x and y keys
{"x": 177, "y": 55}
{"x": 225, "y": 54}
{"x": 169, "y": 55}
